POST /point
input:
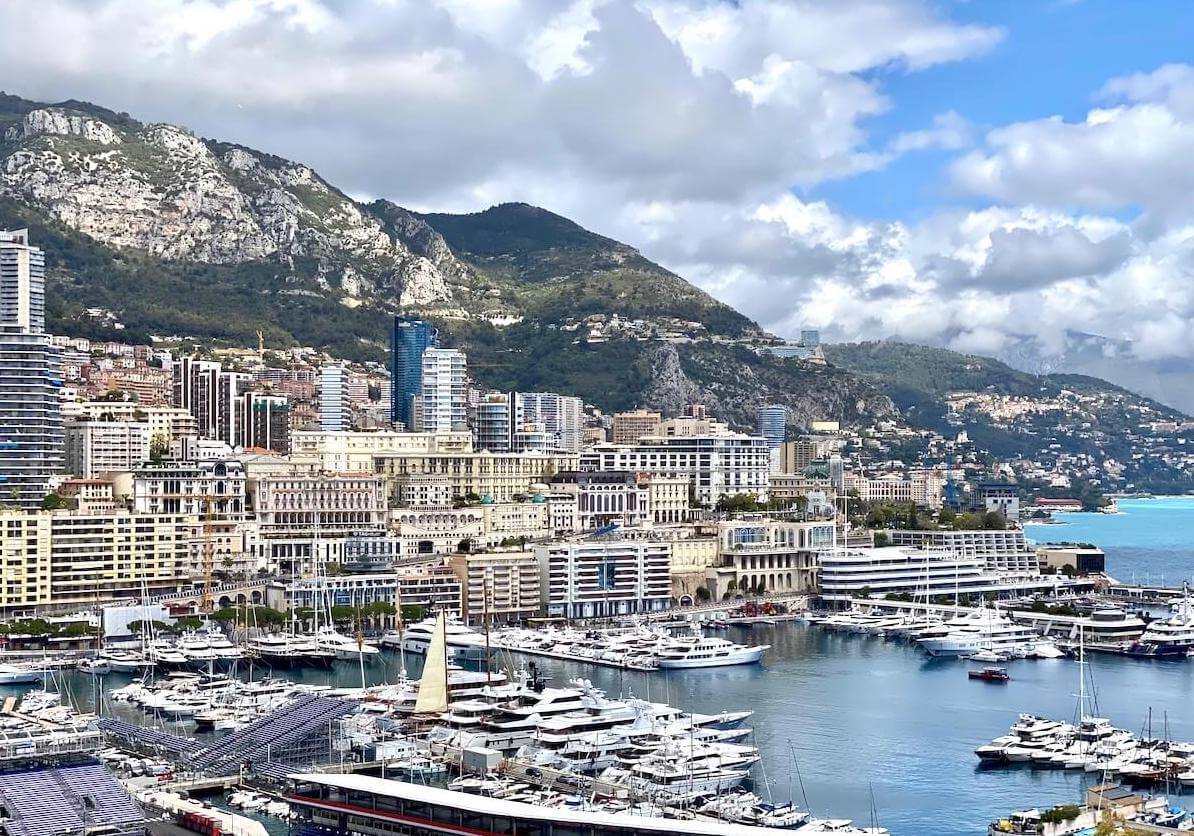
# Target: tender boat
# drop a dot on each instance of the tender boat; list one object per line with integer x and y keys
{"x": 989, "y": 675}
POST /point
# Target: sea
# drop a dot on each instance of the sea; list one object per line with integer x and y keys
{"x": 1149, "y": 541}
{"x": 863, "y": 728}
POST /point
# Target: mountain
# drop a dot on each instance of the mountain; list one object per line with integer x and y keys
{"x": 1167, "y": 380}
{"x": 1012, "y": 413}
{"x": 177, "y": 235}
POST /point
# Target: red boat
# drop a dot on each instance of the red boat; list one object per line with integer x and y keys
{"x": 990, "y": 675}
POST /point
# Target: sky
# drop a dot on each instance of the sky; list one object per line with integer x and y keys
{"x": 978, "y": 175}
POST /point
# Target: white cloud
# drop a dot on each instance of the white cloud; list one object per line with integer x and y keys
{"x": 1131, "y": 155}
{"x": 682, "y": 126}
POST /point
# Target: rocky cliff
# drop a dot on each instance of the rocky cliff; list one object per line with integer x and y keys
{"x": 160, "y": 190}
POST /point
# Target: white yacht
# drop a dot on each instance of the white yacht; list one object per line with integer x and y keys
{"x": 417, "y": 637}
{"x": 1169, "y": 638}
{"x": 19, "y": 674}
{"x": 705, "y": 652}
{"x": 345, "y": 647}
{"x": 994, "y": 631}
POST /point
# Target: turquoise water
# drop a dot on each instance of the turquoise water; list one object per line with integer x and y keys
{"x": 1150, "y": 541}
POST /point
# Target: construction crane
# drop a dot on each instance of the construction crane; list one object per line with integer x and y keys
{"x": 261, "y": 342}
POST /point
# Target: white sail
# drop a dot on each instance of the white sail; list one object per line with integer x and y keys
{"x": 433, "y": 687}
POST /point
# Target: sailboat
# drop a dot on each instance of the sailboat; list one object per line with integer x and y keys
{"x": 432, "y": 698}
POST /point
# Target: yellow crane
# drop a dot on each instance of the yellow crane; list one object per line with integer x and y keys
{"x": 261, "y": 342}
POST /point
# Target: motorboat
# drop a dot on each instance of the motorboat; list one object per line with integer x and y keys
{"x": 998, "y": 675}
{"x": 417, "y": 637}
{"x": 345, "y": 647}
{"x": 19, "y": 674}
{"x": 705, "y": 652}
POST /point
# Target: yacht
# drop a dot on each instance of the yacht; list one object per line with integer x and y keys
{"x": 994, "y": 631}
{"x": 208, "y": 646}
{"x": 19, "y": 674}
{"x": 417, "y": 637}
{"x": 704, "y": 652}
{"x": 345, "y": 647}
{"x": 1168, "y": 638}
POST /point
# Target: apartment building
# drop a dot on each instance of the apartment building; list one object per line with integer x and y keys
{"x": 97, "y": 447}
{"x": 67, "y": 559}
{"x": 714, "y": 466}
{"x": 603, "y": 578}
{"x": 630, "y": 426}
{"x": 166, "y": 423}
{"x": 503, "y": 586}
{"x": 31, "y": 436}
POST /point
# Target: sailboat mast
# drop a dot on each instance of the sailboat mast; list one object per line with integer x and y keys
{"x": 488, "y": 665}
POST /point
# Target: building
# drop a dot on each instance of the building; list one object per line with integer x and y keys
{"x": 31, "y": 434}
{"x": 265, "y": 422}
{"x": 1072, "y": 558}
{"x": 771, "y": 422}
{"x": 65, "y": 559}
{"x": 560, "y": 416}
{"x": 795, "y": 456}
{"x": 209, "y": 393}
{"x": 409, "y": 339}
{"x": 606, "y": 498}
{"x": 97, "y": 447}
{"x": 303, "y": 518}
{"x": 166, "y": 423}
{"x": 715, "y": 466}
{"x": 493, "y": 422}
{"x": 442, "y": 403}
{"x": 604, "y": 578}
{"x": 335, "y": 412}
{"x": 668, "y": 497}
{"x": 999, "y": 497}
{"x": 354, "y": 452}
{"x": 502, "y": 586}
{"x": 629, "y": 427}
{"x": 922, "y": 573}
{"x": 772, "y": 555}
{"x": 1001, "y": 550}
{"x": 498, "y": 476}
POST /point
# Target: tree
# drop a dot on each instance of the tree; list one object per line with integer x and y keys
{"x": 413, "y": 612}
{"x": 881, "y": 539}
{"x": 910, "y": 521}
{"x": 342, "y": 614}
{"x": 994, "y": 521}
{"x": 158, "y": 447}
{"x": 53, "y": 502}
{"x": 946, "y": 516}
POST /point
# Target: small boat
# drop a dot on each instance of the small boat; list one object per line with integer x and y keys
{"x": 989, "y": 657}
{"x": 989, "y": 674}
{"x": 19, "y": 674}
{"x": 95, "y": 667}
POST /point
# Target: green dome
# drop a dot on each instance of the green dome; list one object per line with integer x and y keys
{"x": 538, "y": 498}
{"x": 487, "y": 500}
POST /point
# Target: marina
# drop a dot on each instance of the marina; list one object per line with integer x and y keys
{"x": 818, "y": 688}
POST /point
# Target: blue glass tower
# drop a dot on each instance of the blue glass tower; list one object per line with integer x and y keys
{"x": 410, "y": 339}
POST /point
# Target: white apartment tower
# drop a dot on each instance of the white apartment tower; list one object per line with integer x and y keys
{"x": 334, "y": 412}
{"x": 442, "y": 405}
{"x": 31, "y": 436}
{"x": 560, "y": 415}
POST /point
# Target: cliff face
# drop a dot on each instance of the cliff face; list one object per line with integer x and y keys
{"x": 160, "y": 190}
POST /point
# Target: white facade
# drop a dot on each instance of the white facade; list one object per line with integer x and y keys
{"x": 442, "y": 405}
{"x": 335, "y": 415}
{"x": 602, "y": 578}
{"x": 716, "y": 466}
{"x": 95, "y": 447}
{"x": 772, "y": 555}
{"x": 1001, "y": 550}
{"x": 561, "y": 417}
{"x": 31, "y": 437}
